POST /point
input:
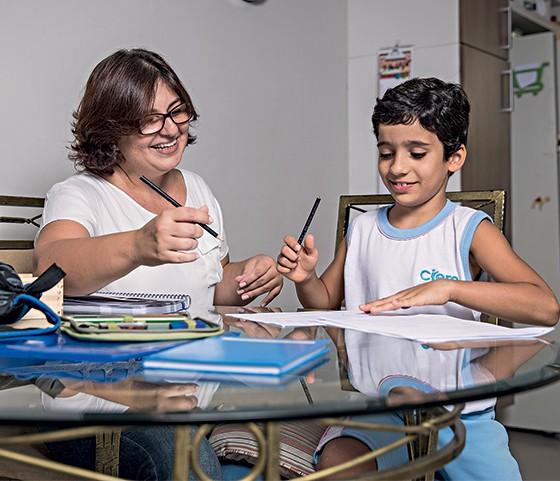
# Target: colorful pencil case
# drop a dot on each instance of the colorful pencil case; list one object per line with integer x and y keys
{"x": 138, "y": 328}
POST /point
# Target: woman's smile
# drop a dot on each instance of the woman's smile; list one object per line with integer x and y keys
{"x": 167, "y": 147}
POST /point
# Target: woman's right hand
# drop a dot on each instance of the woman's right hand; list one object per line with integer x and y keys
{"x": 171, "y": 237}
{"x": 297, "y": 262}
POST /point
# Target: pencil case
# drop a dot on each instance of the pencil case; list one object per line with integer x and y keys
{"x": 138, "y": 328}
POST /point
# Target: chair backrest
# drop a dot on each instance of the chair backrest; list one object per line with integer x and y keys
{"x": 19, "y": 253}
{"x": 490, "y": 201}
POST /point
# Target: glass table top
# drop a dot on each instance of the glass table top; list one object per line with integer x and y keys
{"x": 362, "y": 373}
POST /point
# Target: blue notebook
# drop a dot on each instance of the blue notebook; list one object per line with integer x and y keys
{"x": 239, "y": 355}
{"x": 61, "y": 347}
{"x": 231, "y": 379}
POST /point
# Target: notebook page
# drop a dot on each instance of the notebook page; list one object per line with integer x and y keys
{"x": 421, "y": 327}
{"x": 285, "y": 319}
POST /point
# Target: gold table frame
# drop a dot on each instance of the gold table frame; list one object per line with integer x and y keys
{"x": 420, "y": 431}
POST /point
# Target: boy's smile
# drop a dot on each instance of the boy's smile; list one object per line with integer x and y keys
{"x": 402, "y": 186}
{"x": 413, "y": 167}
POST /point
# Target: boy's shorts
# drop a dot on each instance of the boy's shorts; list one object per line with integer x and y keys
{"x": 486, "y": 455}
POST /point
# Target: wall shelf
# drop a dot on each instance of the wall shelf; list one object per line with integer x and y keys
{"x": 529, "y": 22}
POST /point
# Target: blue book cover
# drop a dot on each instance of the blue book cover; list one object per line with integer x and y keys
{"x": 239, "y": 355}
{"x": 61, "y": 347}
{"x": 232, "y": 379}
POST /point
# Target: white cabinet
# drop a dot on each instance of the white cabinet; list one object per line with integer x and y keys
{"x": 534, "y": 196}
{"x": 535, "y": 156}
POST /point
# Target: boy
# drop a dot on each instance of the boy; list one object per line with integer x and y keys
{"x": 421, "y": 127}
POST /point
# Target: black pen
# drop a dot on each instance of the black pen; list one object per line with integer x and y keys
{"x": 308, "y": 221}
{"x": 172, "y": 201}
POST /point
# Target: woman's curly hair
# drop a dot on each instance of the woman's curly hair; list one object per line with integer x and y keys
{"x": 118, "y": 95}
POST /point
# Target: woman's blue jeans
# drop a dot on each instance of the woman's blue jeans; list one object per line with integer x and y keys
{"x": 146, "y": 454}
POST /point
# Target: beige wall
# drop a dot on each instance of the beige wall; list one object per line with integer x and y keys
{"x": 269, "y": 82}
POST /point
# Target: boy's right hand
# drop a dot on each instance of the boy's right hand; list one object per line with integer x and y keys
{"x": 297, "y": 262}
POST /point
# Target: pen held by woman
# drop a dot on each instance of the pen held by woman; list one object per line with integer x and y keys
{"x": 173, "y": 202}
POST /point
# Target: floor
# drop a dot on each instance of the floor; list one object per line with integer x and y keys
{"x": 538, "y": 454}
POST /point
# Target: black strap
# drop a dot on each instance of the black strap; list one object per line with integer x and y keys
{"x": 47, "y": 280}
{"x": 11, "y": 287}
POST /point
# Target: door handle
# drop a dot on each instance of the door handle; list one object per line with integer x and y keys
{"x": 507, "y": 10}
{"x": 509, "y": 74}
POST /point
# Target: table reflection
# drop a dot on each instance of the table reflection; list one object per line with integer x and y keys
{"x": 365, "y": 372}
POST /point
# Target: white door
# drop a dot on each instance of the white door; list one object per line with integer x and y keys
{"x": 534, "y": 196}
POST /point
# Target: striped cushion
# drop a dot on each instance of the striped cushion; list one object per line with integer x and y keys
{"x": 298, "y": 441}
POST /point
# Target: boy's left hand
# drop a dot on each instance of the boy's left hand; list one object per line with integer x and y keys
{"x": 259, "y": 276}
{"x": 427, "y": 294}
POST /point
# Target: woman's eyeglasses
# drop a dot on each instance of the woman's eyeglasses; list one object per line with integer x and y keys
{"x": 153, "y": 123}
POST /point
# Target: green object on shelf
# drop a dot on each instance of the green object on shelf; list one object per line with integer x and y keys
{"x": 528, "y": 79}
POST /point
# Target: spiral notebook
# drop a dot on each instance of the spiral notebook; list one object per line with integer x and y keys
{"x": 123, "y": 303}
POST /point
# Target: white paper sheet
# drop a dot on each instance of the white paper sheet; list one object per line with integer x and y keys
{"x": 422, "y": 327}
{"x": 286, "y": 319}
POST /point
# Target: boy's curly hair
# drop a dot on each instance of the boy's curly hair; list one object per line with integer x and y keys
{"x": 440, "y": 107}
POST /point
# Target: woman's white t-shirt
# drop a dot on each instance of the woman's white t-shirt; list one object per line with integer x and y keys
{"x": 103, "y": 208}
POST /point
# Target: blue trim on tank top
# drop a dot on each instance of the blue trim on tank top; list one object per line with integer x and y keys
{"x": 396, "y": 233}
{"x": 466, "y": 240}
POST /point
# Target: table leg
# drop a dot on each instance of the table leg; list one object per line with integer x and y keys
{"x": 273, "y": 451}
{"x": 99, "y": 432}
{"x": 421, "y": 432}
{"x": 183, "y": 447}
{"x": 107, "y": 447}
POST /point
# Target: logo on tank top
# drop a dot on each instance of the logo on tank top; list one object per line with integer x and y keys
{"x": 434, "y": 274}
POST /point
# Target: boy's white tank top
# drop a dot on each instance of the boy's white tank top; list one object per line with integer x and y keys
{"x": 382, "y": 260}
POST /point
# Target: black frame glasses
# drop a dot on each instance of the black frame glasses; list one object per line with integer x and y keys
{"x": 147, "y": 127}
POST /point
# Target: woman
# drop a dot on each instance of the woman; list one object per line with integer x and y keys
{"x": 109, "y": 231}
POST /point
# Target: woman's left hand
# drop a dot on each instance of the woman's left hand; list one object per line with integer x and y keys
{"x": 427, "y": 294}
{"x": 259, "y": 276}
